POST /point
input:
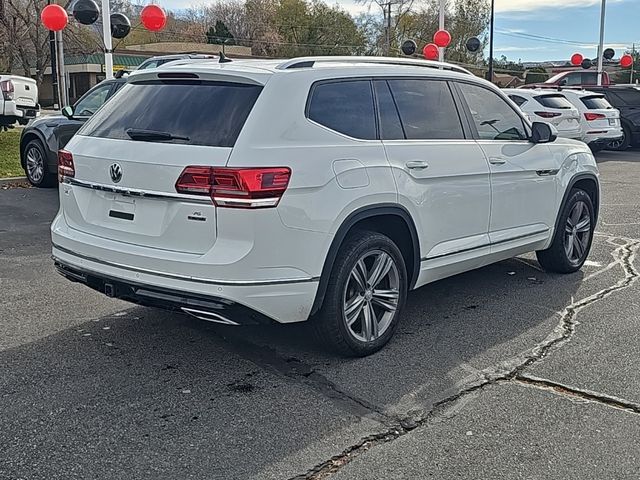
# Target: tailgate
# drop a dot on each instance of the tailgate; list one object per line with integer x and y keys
{"x": 142, "y": 207}
{"x": 25, "y": 91}
{"x": 129, "y": 156}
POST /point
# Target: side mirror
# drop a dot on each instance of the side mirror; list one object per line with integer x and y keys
{"x": 542, "y": 132}
{"x": 68, "y": 112}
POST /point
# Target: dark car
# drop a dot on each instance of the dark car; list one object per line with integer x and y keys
{"x": 627, "y": 100}
{"x": 41, "y": 140}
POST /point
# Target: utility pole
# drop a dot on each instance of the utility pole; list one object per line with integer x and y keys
{"x": 54, "y": 68}
{"x": 491, "y": 42}
{"x": 106, "y": 36}
{"x": 441, "y": 27}
{"x": 601, "y": 44}
{"x": 62, "y": 76}
{"x": 388, "y": 14}
{"x": 633, "y": 53}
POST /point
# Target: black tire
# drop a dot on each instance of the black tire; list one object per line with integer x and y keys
{"x": 330, "y": 324}
{"x": 557, "y": 257}
{"x": 624, "y": 144}
{"x": 34, "y": 153}
{"x": 596, "y": 148}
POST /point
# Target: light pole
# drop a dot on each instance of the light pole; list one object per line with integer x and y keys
{"x": 106, "y": 35}
{"x": 441, "y": 27}
{"x": 491, "y": 41}
{"x": 601, "y": 44}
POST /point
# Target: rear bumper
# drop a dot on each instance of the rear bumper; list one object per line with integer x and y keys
{"x": 11, "y": 109}
{"x": 241, "y": 303}
{"x": 205, "y": 307}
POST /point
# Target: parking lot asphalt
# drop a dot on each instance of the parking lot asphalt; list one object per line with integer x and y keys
{"x": 503, "y": 372}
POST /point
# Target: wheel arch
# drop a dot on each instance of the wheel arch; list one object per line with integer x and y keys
{"x": 589, "y": 183}
{"x": 28, "y": 136}
{"x": 399, "y": 227}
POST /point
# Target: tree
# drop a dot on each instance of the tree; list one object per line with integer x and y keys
{"x": 219, "y": 34}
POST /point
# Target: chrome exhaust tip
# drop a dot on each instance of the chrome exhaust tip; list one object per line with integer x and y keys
{"x": 208, "y": 316}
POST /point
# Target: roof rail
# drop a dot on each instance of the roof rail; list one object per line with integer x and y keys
{"x": 309, "y": 62}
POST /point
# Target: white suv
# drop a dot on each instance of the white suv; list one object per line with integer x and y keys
{"x": 316, "y": 188}
{"x": 544, "y": 105}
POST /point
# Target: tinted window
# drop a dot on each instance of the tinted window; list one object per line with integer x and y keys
{"x": 346, "y": 107}
{"x": 518, "y": 100}
{"x": 204, "y": 113}
{"x": 595, "y": 102}
{"x": 554, "y": 101}
{"x": 628, "y": 97}
{"x": 427, "y": 109}
{"x": 92, "y": 101}
{"x": 572, "y": 79}
{"x": 390, "y": 126}
{"x": 148, "y": 64}
{"x": 493, "y": 117}
{"x": 589, "y": 78}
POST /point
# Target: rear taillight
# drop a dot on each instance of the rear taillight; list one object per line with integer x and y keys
{"x": 7, "y": 88}
{"x": 594, "y": 116}
{"x": 66, "y": 168}
{"x": 548, "y": 114}
{"x": 236, "y": 187}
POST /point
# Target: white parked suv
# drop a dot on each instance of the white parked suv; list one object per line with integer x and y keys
{"x": 319, "y": 189}
{"x": 600, "y": 122}
{"x": 543, "y": 105}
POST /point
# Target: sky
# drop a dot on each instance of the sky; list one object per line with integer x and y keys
{"x": 567, "y": 26}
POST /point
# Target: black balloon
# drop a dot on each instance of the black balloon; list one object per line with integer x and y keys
{"x": 120, "y": 25}
{"x": 609, "y": 53}
{"x": 473, "y": 44}
{"x": 409, "y": 47}
{"x": 586, "y": 63}
{"x": 86, "y": 11}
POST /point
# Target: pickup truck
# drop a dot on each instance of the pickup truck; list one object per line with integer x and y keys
{"x": 19, "y": 100}
{"x": 573, "y": 78}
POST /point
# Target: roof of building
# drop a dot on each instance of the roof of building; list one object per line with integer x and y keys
{"x": 98, "y": 59}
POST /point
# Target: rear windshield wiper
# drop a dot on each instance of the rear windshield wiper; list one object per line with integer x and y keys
{"x": 152, "y": 135}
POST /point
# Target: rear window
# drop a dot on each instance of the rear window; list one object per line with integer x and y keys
{"x": 554, "y": 101}
{"x": 596, "y": 102}
{"x": 198, "y": 112}
{"x": 346, "y": 107}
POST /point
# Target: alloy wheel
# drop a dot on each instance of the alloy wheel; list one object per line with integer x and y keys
{"x": 371, "y": 296}
{"x": 577, "y": 232}
{"x": 35, "y": 165}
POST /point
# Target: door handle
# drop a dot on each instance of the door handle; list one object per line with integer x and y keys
{"x": 417, "y": 165}
{"x": 497, "y": 161}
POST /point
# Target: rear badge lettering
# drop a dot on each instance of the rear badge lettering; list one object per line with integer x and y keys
{"x": 197, "y": 216}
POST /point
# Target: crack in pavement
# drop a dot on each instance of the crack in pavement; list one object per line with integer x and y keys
{"x": 508, "y": 371}
{"x": 575, "y": 393}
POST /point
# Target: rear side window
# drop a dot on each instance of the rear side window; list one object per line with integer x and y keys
{"x": 427, "y": 109}
{"x": 596, "y": 102}
{"x": 390, "y": 125}
{"x": 554, "y": 101}
{"x": 344, "y": 106}
{"x": 518, "y": 100}
{"x": 198, "y": 112}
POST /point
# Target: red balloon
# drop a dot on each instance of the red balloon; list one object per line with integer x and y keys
{"x": 153, "y": 18}
{"x": 54, "y": 17}
{"x": 576, "y": 59}
{"x": 430, "y": 51}
{"x": 626, "y": 61}
{"x": 442, "y": 38}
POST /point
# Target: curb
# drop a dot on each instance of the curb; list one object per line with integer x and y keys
{"x": 5, "y": 181}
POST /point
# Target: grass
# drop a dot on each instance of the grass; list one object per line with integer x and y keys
{"x": 10, "y": 154}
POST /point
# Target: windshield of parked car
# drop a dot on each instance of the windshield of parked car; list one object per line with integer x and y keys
{"x": 190, "y": 112}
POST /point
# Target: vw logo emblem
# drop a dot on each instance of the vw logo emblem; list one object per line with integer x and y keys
{"x": 115, "y": 171}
